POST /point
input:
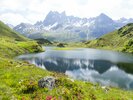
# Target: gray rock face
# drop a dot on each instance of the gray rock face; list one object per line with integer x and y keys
{"x": 24, "y": 28}
{"x": 54, "y": 17}
{"x": 47, "y": 82}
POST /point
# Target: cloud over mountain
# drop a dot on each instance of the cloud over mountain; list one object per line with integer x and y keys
{"x": 32, "y": 11}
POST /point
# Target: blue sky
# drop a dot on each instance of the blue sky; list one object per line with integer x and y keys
{"x": 30, "y": 11}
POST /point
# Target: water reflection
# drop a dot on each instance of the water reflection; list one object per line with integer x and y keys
{"x": 89, "y": 65}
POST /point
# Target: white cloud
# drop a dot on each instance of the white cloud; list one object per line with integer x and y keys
{"x": 13, "y": 18}
{"x": 32, "y": 11}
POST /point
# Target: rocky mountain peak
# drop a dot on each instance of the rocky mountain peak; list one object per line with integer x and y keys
{"x": 103, "y": 18}
{"x": 54, "y": 17}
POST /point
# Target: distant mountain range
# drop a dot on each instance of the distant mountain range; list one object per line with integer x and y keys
{"x": 60, "y": 27}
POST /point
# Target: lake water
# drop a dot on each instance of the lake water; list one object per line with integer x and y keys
{"x": 98, "y": 66}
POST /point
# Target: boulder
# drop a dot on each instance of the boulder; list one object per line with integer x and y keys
{"x": 47, "y": 82}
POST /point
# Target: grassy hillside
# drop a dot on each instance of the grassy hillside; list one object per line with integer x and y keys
{"x": 120, "y": 40}
{"x": 12, "y": 43}
{"x": 5, "y": 31}
{"x": 19, "y": 79}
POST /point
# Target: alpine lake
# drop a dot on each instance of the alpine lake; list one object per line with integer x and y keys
{"x": 108, "y": 68}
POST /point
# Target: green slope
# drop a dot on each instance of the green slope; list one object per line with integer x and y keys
{"x": 5, "y": 31}
{"x": 120, "y": 40}
{"x": 12, "y": 43}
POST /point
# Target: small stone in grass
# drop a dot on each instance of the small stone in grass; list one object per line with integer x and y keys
{"x": 47, "y": 82}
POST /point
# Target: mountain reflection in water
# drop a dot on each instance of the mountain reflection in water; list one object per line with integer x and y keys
{"x": 104, "y": 67}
